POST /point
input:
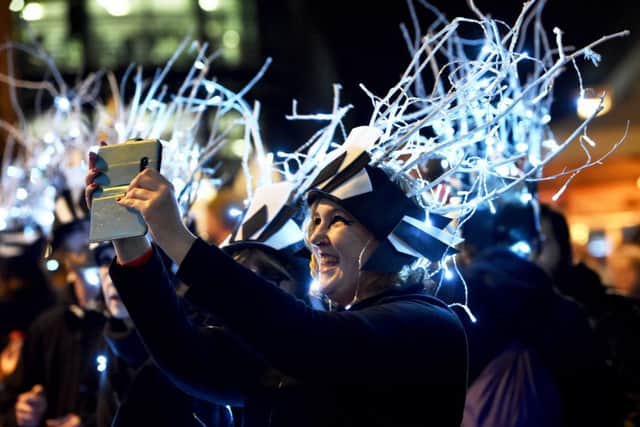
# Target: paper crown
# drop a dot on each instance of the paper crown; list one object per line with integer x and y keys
{"x": 269, "y": 221}
{"x": 405, "y": 230}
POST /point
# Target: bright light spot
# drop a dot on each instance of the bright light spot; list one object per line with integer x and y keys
{"x": 33, "y": 12}
{"x": 580, "y": 233}
{"x": 234, "y": 212}
{"x": 62, "y": 103}
{"x": 14, "y": 172}
{"x": 208, "y": 5}
{"x": 101, "y": 361}
{"x": 545, "y": 119}
{"x": 638, "y": 182}
{"x": 427, "y": 220}
{"x": 3, "y": 224}
{"x": 526, "y": 198}
{"x": 74, "y": 133}
{"x": 237, "y": 147}
{"x": 199, "y": 65}
{"x": 30, "y": 233}
{"x": 91, "y": 276}
{"x": 492, "y": 208}
{"x": 16, "y": 5}
{"x": 486, "y": 49}
{"x": 525, "y": 54}
{"x": 21, "y": 194}
{"x": 550, "y": 144}
{"x": 522, "y": 147}
{"x": 231, "y": 39}
{"x": 209, "y": 86}
{"x": 49, "y": 137}
{"x": 521, "y": 248}
{"x": 116, "y": 7}
{"x": 314, "y": 287}
{"x": 444, "y": 163}
{"x": 448, "y": 275}
{"x": 52, "y": 265}
{"x": 45, "y": 217}
{"x": 586, "y": 106}
{"x": 599, "y": 247}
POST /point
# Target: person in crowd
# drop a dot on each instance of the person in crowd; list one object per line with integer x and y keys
{"x": 287, "y": 363}
{"x": 614, "y": 318}
{"x": 56, "y": 379}
{"x": 623, "y": 265}
{"x": 132, "y": 388}
{"x": 533, "y": 358}
{"x": 24, "y": 292}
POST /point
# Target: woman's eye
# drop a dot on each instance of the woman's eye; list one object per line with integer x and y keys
{"x": 339, "y": 218}
{"x": 316, "y": 221}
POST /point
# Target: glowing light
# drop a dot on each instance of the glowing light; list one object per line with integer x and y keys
{"x": 521, "y": 147}
{"x": 49, "y": 137}
{"x": 545, "y": 119}
{"x": 580, "y": 233}
{"x": 14, "y": 172}
{"x": 237, "y": 147}
{"x": 33, "y": 12}
{"x": 231, "y": 39}
{"x": 209, "y": 5}
{"x": 101, "y": 361}
{"x": 599, "y": 247}
{"x": 444, "y": 163}
{"x": 74, "y": 133}
{"x": 62, "y": 103}
{"x": 52, "y": 265}
{"x": 16, "y": 5}
{"x": 526, "y": 198}
{"x": 91, "y": 276}
{"x": 234, "y": 212}
{"x": 550, "y": 143}
{"x": 586, "y": 106}
{"x": 21, "y": 194}
{"x": 448, "y": 275}
{"x": 116, "y": 7}
{"x": 3, "y": 224}
{"x": 199, "y": 65}
{"x": 521, "y": 248}
{"x": 209, "y": 86}
{"x": 638, "y": 182}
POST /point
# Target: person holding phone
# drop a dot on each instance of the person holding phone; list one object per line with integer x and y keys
{"x": 391, "y": 355}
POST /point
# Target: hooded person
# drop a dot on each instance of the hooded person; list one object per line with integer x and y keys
{"x": 533, "y": 359}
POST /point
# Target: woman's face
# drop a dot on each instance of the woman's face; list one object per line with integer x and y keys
{"x": 340, "y": 245}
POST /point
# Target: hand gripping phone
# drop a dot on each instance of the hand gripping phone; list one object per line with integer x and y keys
{"x": 118, "y": 165}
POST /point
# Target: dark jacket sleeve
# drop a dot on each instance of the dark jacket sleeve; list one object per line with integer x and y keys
{"x": 312, "y": 345}
{"x": 209, "y": 364}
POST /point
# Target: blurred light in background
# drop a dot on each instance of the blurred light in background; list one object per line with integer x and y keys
{"x": 116, "y": 7}
{"x": 33, "y": 12}
{"x": 599, "y": 246}
{"x": 208, "y": 5}
{"x": 586, "y": 105}
{"x": 52, "y": 265}
{"x": 16, "y": 5}
{"x": 231, "y": 39}
{"x": 580, "y": 233}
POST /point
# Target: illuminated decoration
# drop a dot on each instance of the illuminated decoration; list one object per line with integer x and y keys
{"x": 588, "y": 105}
{"x": 52, "y": 265}
{"x": 479, "y": 109}
{"x": 116, "y": 7}
{"x": 101, "y": 363}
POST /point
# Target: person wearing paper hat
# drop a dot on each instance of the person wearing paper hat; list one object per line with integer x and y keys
{"x": 356, "y": 367}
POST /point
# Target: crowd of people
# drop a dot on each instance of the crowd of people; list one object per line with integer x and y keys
{"x": 175, "y": 331}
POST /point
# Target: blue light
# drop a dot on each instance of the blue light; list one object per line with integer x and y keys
{"x": 91, "y": 276}
{"x": 101, "y": 361}
{"x": 448, "y": 275}
{"x": 234, "y": 212}
{"x": 526, "y": 198}
{"x": 52, "y": 265}
{"x": 521, "y": 248}
{"x": 62, "y": 103}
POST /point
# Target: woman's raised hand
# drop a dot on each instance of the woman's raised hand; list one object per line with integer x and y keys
{"x": 152, "y": 195}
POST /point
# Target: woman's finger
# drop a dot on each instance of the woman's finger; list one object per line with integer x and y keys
{"x": 88, "y": 193}
{"x": 91, "y": 176}
{"x": 140, "y": 194}
{"x": 137, "y": 204}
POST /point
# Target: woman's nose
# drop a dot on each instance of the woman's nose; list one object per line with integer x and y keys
{"x": 319, "y": 237}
